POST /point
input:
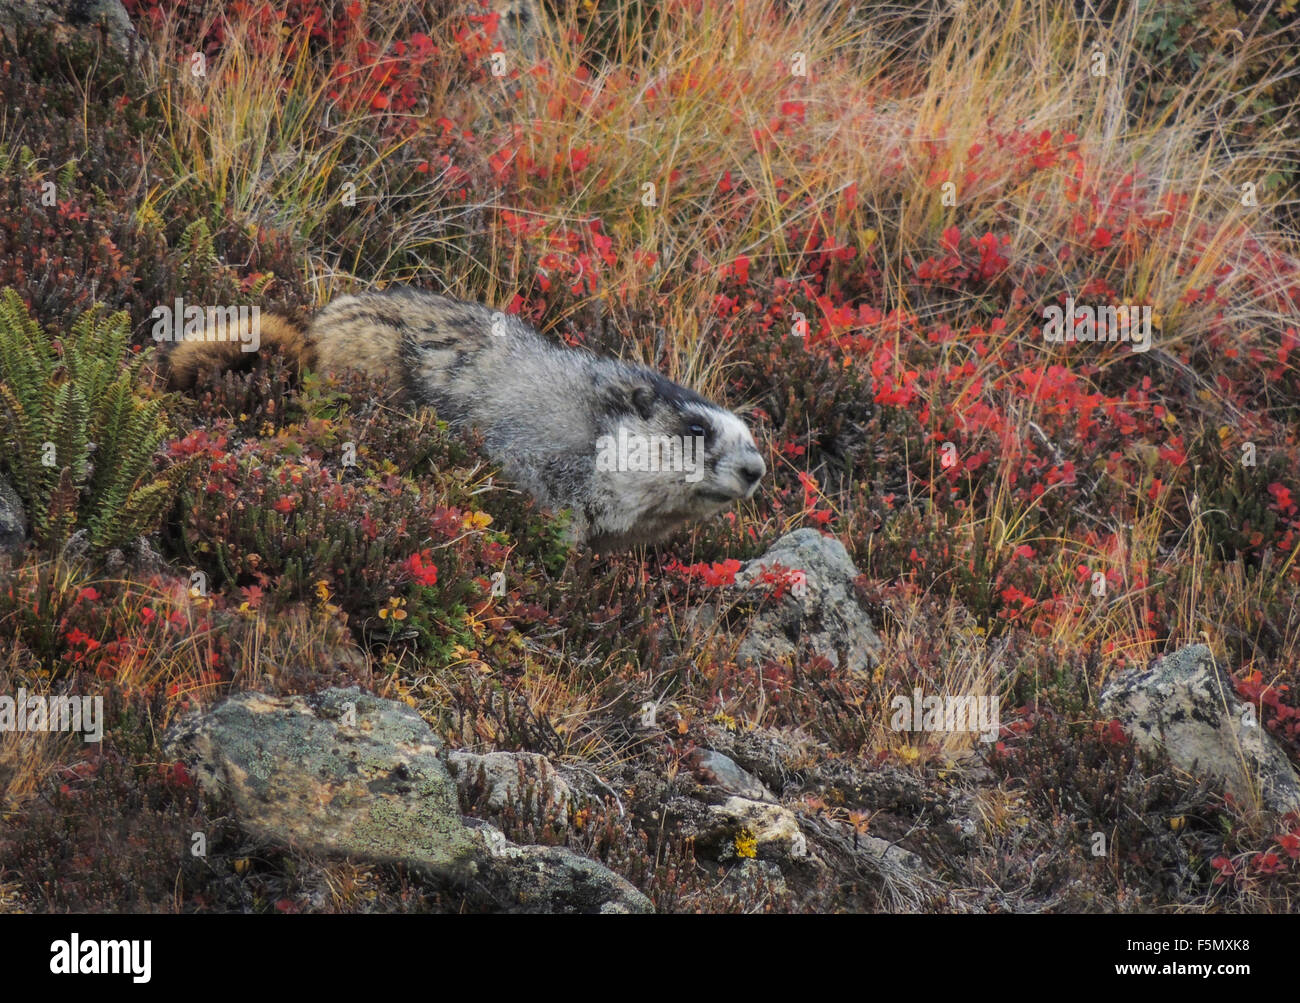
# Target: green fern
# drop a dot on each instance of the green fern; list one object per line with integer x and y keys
{"x": 197, "y": 251}
{"x": 261, "y": 285}
{"x": 79, "y": 444}
{"x": 68, "y": 176}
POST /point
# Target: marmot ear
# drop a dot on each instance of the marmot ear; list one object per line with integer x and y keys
{"x": 626, "y": 398}
{"x": 643, "y": 399}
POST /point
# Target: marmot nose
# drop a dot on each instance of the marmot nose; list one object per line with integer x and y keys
{"x": 752, "y": 471}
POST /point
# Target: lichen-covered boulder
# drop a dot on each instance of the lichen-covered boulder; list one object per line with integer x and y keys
{"x": 345, "y": 773}
{"x": 1185, "y": 703}
{"x": 341, "y": 772}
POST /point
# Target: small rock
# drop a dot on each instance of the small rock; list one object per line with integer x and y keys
{"x": 773, "y": 829}
{"x": 549, "y": 879}
{"x": 821, "y": 616}
{"x": 756, "y": 881}
{"x": 506, "y": 774}
{"x": 13, "y": 520}
{"x": 519, "y": 26}
{"x": 1186, "y": 704}
{"x": 720, "y": 771}
{"x": 889, "y": 853}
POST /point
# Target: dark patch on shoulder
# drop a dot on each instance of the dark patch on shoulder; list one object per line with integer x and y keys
{"x": 378, "y": 319}
{"x": 444, "y": 405}
{"x": 473, "y": 320}
{"x": 443, "y": 324}
{"x": 370, "y": 310}
{"x": 418, "y": 392}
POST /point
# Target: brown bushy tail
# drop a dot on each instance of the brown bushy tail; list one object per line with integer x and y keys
{"x": 275, "y": 333}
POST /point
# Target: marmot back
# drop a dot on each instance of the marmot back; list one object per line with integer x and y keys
{"x": 634, "y": 455}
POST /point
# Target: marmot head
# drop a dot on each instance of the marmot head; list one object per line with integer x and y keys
{"x": 666, "y": 455}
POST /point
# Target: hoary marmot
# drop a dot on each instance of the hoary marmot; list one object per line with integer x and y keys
{"x": 632, "y": 454}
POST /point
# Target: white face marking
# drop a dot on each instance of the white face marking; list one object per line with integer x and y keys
{"x": 708, "y": 479}
{"x": 739, "y": 468}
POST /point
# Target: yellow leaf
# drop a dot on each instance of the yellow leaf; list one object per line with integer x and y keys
{"x": 477, "y": 520}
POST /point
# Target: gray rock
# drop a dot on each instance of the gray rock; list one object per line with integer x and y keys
{"x": 13, "y": 520}
{"x": 506, "y": 774}
{"x": 820, "y": 617}
{"x": 773, "y": 830}
{"x": 346, "y": 773}
{"x": 66, "y": 19}
{"x": 549, "y": 879}
{"x": 1186, "y": 705}
{"x": 77, "y": 546}
{"x": 340, "y": 773}
{"x": 520, "y": 25}
{"x": 721, "y": 771}
{"x": 138, "y": 557}
{"x": 886, "y": 852}
{"x": 756, "y": 881}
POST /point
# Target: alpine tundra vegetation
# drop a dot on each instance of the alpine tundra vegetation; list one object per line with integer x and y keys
{"x": 872, "y": 487}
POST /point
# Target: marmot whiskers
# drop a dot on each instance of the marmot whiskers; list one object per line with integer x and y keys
{"x": 632, "y": 454}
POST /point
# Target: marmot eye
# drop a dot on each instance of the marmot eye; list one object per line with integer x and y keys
{"x": 694, "y": 430}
